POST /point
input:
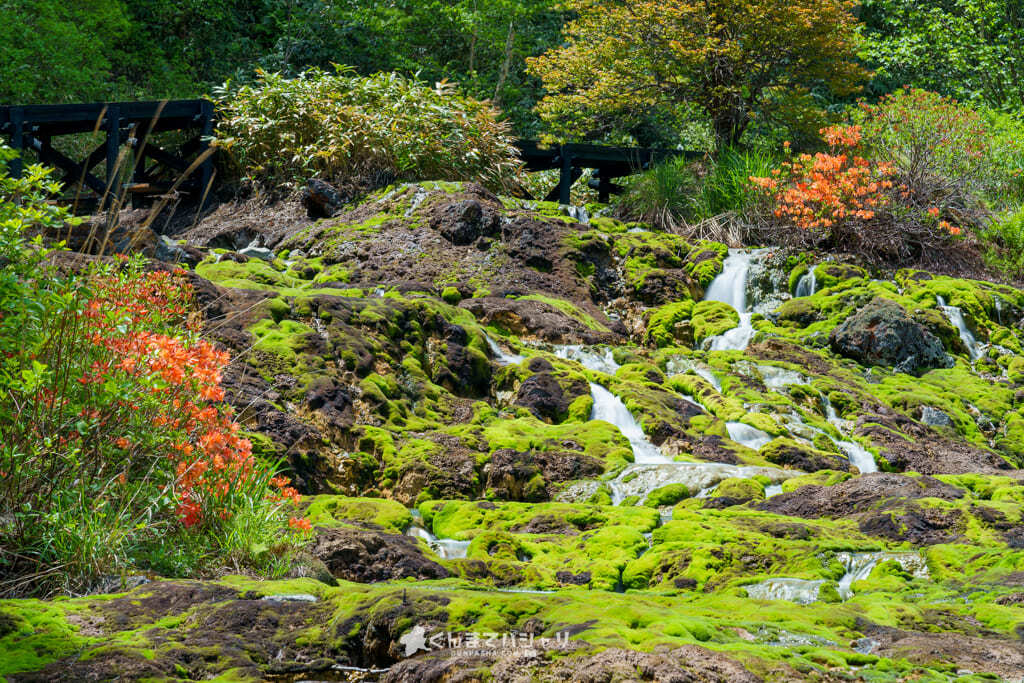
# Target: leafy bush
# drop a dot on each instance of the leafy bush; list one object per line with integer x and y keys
{"x": 1003, "y": 243}
{"x": 361, "y": 131}
{"x": 113, "y": 437}
{"x": 846, "y": 200}
{"x": 944, "y": 151}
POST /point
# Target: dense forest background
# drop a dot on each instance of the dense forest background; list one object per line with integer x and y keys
{"x": 114, "y": 49}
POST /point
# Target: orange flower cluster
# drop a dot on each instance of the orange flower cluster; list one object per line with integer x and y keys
{"x": 213, "y": 466}
{"x": 817, "y": 192}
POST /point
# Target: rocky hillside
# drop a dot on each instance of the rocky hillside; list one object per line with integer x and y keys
{"x": 627, "y": 456}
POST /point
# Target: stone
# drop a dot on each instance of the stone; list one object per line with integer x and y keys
{"x": 933, "y": 417}
{"x": 882, "y": 333}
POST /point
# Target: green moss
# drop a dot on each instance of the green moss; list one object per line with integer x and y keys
{"x": 451, "y": 295}
{"x": 741, "y": 489}
{"x": 670, "y": 494}
{"x": 334, "y": 510}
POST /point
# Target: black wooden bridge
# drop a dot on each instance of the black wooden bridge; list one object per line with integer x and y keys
{"x": 155, "y": 169}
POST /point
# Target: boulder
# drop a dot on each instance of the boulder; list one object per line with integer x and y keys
{"x": 367, "y": 556}
{"x": 883, "y": 333}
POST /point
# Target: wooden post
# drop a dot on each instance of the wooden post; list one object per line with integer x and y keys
{"x": 604, "y": 186}
{"x": 205, "y": 134}
{"x": 113, "y": 126}
{"x": 17, "y": 140}
{"x": 565, "y": 177}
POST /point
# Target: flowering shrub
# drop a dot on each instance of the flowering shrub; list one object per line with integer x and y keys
{"x": 848, "y": 200}
{"x": 113, "y": 436}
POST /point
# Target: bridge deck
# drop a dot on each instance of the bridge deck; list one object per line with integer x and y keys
{"x": 33, "y": 127}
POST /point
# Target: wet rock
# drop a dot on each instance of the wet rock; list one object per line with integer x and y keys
{"x": 463, "y": 222}
{"x": 528, "y": 318}
{"x": 367, "y": 556}
{"x": 512, "y": 475}
{"x": 858, "y": 494}
{"x": 882, "y": 333}
{"x": 909, "y": 445}
{"x": 791, "y": 453}
{"x": 542, "y": 395}
{"x": 933, "y": 417}
{"x": 321, "y": 199}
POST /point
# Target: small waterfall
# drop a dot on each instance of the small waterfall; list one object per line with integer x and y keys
{"x": 500, "y": 356}
{"x": 700, "y": 478}
{"x": 800, "y": 591}
{"x": 857, "y": 454}
{"x": 746, "y": 435}
{"x": 807, "y": 284}
{"x": 730, "y": 286}
{"x": 956, "y": 316}
{"x": 778, "y": 378}
{"x": 999, "y": 308}
{"x": 610, "y": 408}
{"x": 678, "y": 366}
{"x": 446, "y": 548}
{"x": 860, "y": 565}
{"x": 591, "y": 358}
{"x": 579, "y": 213}
{"x": 773, "y": 490}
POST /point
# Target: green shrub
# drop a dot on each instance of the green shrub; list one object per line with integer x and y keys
{"x": 1003, "y": 243}
{"x": 359, "y": 130}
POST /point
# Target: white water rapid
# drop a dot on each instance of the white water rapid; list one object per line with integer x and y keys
{"x": 807, "y": 284}
{"x": 730, "y": 286}
{"x": 956, "y": 316}
{"x": 500, "y": 355}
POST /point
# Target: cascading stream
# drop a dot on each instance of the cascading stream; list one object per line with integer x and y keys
{"x": 956, "y": 316}
{"x": 730, "y": 287}
{"x": 500, "y": 356}
{"x": 807, "y": 284}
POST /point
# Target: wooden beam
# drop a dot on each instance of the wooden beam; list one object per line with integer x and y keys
{"x": 73, "y": 171}
{"x": 17, "y": 118}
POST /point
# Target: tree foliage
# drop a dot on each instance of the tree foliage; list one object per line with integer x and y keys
{"x": 969, "y": 49}
{"x": 733, "y": 60}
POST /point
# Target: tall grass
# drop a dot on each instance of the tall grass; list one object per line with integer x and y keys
{"x": 678, "y": 195}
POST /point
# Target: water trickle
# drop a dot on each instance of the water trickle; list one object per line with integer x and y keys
{"x": 746, "y": 435}
{"x": 592, "y": 358}
{"x": 610, "y": 408}
{"x": 447, "y": 548}
{"x": 956, "y": 316}
{"x": 857, "y": 454}
{"x": 500, "y": 356}
{"x": 860, "y": 565}
{"x": 777, "y": 378}
{"x": 807, "y": 284}
{"x": 773, "y": 490}
{"x": 579, "y": 213}
{"x": 730, "y": 286}
{"x": 800, "y": 591}
{"x": 999, "y": 309}
{"x": 678, "y": 366}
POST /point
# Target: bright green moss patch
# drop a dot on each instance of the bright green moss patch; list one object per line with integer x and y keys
{"x": 329, "y": 510}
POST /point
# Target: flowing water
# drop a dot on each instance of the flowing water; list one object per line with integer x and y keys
{"x": 860, "y": 565}
{"x": 746, "y": 435}
{"x": 500, "y": 356}
{"x": 446, "y": 548}
{"x": 858, "y": 455}
{"x": 679, "y": 366}
{"x": 956, "y": 316}
{"x": 592, "y": 358}
{"x": 610, "y": 408}
{"x": 730, "y": 286}
{"x": 800, "y": 591}
{"x": 698, "y": 477}
{"x": 807, "y": 284}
